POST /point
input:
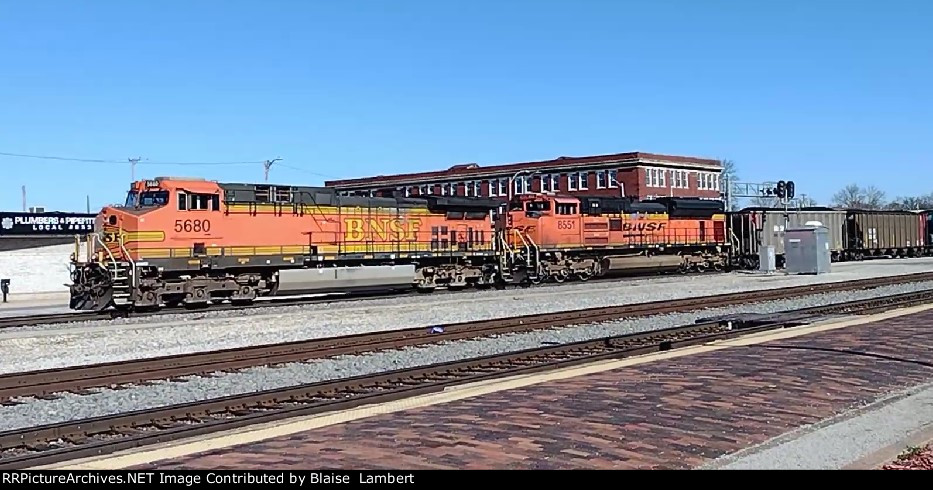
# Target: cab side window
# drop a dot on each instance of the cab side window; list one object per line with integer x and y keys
{"x": 566, "y": 209}
{"x": 198, "y": 202}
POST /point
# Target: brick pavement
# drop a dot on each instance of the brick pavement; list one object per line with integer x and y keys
{"x": 676, "y": 413}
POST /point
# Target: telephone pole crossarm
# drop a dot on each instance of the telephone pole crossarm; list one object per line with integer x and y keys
{"x": 267, "y": 165}
{"x": 133, "y": 162}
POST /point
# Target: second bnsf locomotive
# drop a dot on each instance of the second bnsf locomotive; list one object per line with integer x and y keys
{"x": 192, "y": 241}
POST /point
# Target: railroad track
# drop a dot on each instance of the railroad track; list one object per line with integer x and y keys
{"x": 74, "y": 317}
{"x": 46, "y": 445}
{"x": 84, "y": 316}
{"x": 78, "y": 379}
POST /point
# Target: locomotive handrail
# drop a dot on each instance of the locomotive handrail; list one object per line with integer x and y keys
{"x": 126, "y": 254}
{"x": 109, "y": 253}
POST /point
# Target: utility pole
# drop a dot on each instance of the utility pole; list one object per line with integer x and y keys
{"x": 24, "y": 199}
{"x": 133, "y": 162}
{"x": 267, "y": 165}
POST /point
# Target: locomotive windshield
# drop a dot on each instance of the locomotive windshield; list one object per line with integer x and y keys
{"x": 146, "y": 199}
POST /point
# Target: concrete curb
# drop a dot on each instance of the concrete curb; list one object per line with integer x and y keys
{"x": 888, "y": 454}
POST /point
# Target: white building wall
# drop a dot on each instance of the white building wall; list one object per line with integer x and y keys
{"x": 37, "y": 270}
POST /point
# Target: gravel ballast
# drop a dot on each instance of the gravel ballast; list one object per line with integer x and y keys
{"x": 45, "y": 347}
{"x": 69, "y": 407}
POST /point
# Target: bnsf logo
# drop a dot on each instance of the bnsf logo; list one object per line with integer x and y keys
{"x": 654, "y": 226}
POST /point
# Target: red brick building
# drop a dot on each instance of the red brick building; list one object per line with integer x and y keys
{"x": 636, "y": 175}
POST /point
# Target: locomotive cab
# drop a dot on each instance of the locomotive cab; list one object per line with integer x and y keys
{"x": 128, "y": 234}
{"x": 546, "y": 220}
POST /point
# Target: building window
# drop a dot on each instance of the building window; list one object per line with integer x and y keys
{"x": 679, "y": 179}
{"x": 499, "y": 187}
{"x": 572, "y": 181}
{"x": 472, "y": 188}
{"x": 707, "y": 181}
{"x": 521, "y": 184}
{"x": 550, "y": 182}
{"x": 606, "y": 179}
{"x": 656, "y": 177}
{"x": 583, "y": 181}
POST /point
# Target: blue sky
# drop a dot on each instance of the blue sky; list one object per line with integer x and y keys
{"x": 821, "y": 92}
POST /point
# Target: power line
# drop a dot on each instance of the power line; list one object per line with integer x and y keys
{"x": 139, "y": 161}
{"x": 307, "y": 171}
{"x": 97, "y": 160}
{"x": 58, "y": 158}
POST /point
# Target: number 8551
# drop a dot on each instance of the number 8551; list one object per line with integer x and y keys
{"x": 565, "y": 225}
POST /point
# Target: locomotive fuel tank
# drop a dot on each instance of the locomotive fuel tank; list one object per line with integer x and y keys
{"x": 639, "y": 263}
{"x": 361, "y": 278}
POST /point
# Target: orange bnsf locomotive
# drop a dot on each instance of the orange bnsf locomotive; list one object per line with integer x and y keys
{"x": 192, "y": 241}
{"x": 560, "y": 238}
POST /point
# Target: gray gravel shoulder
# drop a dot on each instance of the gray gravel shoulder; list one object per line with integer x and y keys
{"x": 841, "y": 440}
{"x": 70, "y": 406}
{"x": 28, "y": 349}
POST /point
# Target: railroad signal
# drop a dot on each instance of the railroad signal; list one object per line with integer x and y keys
{"x": 781, "y": 189}
{"x": 790, "y": 189}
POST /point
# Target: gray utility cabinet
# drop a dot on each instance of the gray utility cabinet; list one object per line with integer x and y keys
{"x": 807, "y": 250}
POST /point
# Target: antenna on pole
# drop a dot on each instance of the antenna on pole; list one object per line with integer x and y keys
{"x": 133, "y": 162}
{"x": 267, "y": 165}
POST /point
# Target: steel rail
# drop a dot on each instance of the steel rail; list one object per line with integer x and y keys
{"x": 65, "y": 318}
{"x": 54, "y": 443}
{"x": 77, "y": 379}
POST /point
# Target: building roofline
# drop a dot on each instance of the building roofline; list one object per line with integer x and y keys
{"x": 474, "y": 170}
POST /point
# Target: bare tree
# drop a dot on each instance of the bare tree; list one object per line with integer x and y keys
{"x": 853, "y": 196}
{"x": 911, "y": 203}
{"x": 765, "y": 202}
{"x": 727, "y": 178}
{"x": 804, "y": 201}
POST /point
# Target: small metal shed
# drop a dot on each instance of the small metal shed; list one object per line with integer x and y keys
{"x": 807, "y": 250}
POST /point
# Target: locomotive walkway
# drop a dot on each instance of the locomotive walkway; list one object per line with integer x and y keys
{"x": 679, "y": 409}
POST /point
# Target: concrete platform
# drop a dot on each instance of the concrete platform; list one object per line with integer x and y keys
{"x": 35, "y": 304}
{"x": 688, "y": 408}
